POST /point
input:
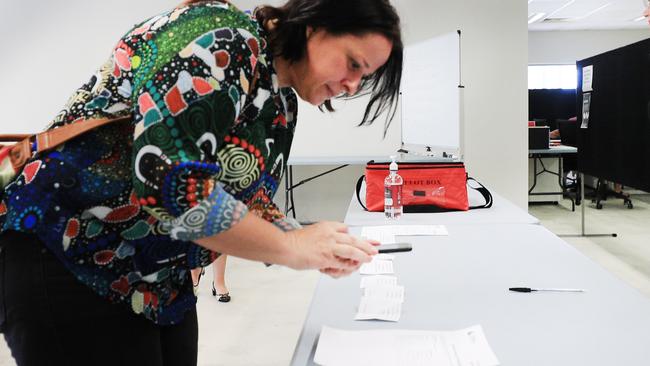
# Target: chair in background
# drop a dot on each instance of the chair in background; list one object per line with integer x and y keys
{"x": 569, "y": 136}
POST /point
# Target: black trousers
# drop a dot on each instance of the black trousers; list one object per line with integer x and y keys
{"x": 50, "y": 318}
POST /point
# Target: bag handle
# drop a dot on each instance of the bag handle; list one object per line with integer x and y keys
{"x": 484, "y": 192}
{"x": 359, "y": 184}
{"x": 28, "y": 145}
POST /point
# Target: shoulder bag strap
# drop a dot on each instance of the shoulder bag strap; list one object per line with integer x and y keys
{"x": 28, "y": 145}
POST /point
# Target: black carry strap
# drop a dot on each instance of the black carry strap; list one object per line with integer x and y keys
{"x": 432, "y": 208}
{"x": 359, "y": 184}
{"x": 484, "y": 192}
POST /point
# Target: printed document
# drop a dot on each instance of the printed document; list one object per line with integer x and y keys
{"x": 377, "y": 267}
{"x": 367, "y": 281}
{"x": 380, "y": 309}
{"x": 465, "y": 347}
{"x": 387, "y": 233}
{"x": 384, "y": 256}
{"x": 383, "y": 292}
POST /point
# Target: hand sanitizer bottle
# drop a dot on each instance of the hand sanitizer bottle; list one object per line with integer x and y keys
{"x": 393, "y": 192}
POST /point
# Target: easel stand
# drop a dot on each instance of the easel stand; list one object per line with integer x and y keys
{"x": 289, "y": 204}
{"x": 582, "y": 213}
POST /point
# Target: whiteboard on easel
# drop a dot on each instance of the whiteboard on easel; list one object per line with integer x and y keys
{"x": 431, "y": 94}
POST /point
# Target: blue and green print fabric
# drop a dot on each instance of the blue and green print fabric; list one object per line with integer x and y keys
{"x": 211, "y": 131}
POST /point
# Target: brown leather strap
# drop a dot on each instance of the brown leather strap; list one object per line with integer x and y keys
{"x": 22, "y": 150}
{"x": 13, "y": 138}
{"x": 20, "y": 153}
{"x": 52, "y": 138}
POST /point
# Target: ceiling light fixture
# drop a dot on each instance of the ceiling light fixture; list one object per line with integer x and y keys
{"x": 561, "y": 7}
{"x": 594, "y": 11}
{"x": 535, "y": 17}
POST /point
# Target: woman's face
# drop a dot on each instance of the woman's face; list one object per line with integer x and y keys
{"x": 646, "y": 14}
{"x": 335, "y": 64}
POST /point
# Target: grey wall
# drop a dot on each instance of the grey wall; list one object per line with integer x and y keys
{"x": 567, "y": 47}
{"x": 50, "y": 48}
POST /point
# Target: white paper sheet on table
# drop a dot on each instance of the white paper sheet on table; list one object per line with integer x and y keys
{"x": 376, "y": 267}
{"x": 378, "y": 280}
{"x": 385, "y": 292}
{"x": 384, "y": 256}
{"x": 465, "y": 347}
{"x": 380, "y": 309}
{"x": 388, "y": 233}
{"x": 383, "y": 236}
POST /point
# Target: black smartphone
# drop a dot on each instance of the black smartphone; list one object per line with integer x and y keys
{"x": 396, "y": 247}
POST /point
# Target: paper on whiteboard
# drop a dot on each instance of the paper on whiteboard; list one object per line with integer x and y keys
{"x": 586, "y": 106}
{"x": 587, "y": 78}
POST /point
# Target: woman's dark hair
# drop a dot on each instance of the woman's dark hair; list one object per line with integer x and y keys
{"x": 338, "y": 17}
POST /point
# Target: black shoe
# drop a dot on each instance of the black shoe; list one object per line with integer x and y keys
{"x": 220, "y": 297}
{"x": 199, "y": 279}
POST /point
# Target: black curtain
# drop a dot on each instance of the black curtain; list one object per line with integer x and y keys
{"x": 616, "y": 144}
{"x": 551, "y": 105}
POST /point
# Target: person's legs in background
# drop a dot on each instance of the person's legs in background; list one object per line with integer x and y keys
{"x": 219, "y": 288}
{"x": 196, "y": 274}
{"x": 618, "y": 188}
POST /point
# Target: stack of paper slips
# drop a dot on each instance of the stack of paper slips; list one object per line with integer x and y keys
{"x": 380, "y": 264}
{"x": 381, "y": 297}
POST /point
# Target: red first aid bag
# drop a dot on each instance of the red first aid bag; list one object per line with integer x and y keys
{"x": 428, "y": 187}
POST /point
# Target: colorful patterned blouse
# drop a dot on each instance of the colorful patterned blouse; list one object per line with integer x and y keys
{"x": 211, "y": 132}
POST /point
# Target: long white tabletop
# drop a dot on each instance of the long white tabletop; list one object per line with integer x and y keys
{"x": 361, "y": 160}
{"x": 501, "y": 212}
{"x": 462, "y": 279}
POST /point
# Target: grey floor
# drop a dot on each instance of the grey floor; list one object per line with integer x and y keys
{"x": 627, "y": 255}
{"x": 262, "y": 323}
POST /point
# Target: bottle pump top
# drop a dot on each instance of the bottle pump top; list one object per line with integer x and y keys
{"x": 393, "y": 165}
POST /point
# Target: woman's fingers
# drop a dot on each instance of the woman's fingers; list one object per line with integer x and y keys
{"x": 367, "y": 246}
{"x": 342, "y": 238}
{"x": 332, "y": 272}
{"x": 362, "y": 244}
{"x": 337, "y": 226}
{"x": 339, "y": 253}
{"x": 337, "y": 272}
{"x": 344, "y": 251}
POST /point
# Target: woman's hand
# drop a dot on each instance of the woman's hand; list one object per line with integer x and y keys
{"x": 327, "y": 246}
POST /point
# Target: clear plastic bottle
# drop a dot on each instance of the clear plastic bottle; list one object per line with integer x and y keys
{"x": 393, "y": 192}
